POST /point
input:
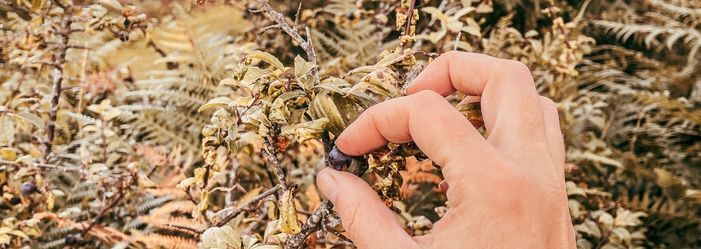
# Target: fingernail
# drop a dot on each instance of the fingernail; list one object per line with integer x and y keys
{"x": 443, "y": 186}
{"x": 327, "y": 183}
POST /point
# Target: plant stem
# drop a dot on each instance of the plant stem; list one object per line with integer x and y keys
{"x": 243, "y": 207}
{"x": 59, "y": 60}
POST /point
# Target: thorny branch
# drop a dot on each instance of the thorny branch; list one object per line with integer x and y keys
{"x": 243, "y": 207}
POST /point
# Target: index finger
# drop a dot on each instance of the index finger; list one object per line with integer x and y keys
{"x": 426, "y": 118}
{"x": 510, "y": 103}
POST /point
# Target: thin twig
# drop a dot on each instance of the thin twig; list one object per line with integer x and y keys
{"x": 457, "y": 41}
{"x": 310, "y": 226}
{"x": 243, "y": 207}
{"x": 104, "y": 211}
{"x": 306, "y": 45}
{"x": 313, "y": 223}
{"x": 59, "y": 59}
{"x": 336, "y": 242}
{"x": 271, "y": 154}
{"x": 415, "y": 70}
{"x": 334, "y": 231}
{"x": 260, "y": 219}
{"x": 409, "y": 18}
{"x": 299, "y": 8}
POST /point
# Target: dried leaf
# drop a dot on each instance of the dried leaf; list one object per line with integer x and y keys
{"x": 268, "y": 58}
{"x": 289, "y": 223}
{"x": 7, "y": 130}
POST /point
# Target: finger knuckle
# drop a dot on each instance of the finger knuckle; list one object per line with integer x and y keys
{"x": 452, "y": 54}
{"x": 547, "y": 101}
{"x": 511, "y": 180}
{"x": 518, "y": 69}
{"x": 548, "y": 104}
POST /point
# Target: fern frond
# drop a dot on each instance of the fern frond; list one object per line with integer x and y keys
{"x": 184, "y": 207}
{"x": 146, "y": 206}
{"x": 165, "y": 241}
{"x": 173, "y": 224}
{"x": 677, "y": 11}
{"x": 81, "y": 118}
{"x": 357, "y": 44}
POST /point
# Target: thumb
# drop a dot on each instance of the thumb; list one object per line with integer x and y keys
{"x": 367, "y": 220}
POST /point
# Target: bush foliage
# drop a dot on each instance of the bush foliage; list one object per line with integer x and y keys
{"x": 178, "y": 124}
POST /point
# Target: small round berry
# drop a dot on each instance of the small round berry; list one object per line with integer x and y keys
{"x": 339, "y": 160}
{"x": 28, "y": 188}
{"x": 15, "y": 200}
{"x": 71, "y": 240}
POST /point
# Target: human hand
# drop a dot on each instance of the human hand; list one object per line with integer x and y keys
{"x": 506, "y": 191}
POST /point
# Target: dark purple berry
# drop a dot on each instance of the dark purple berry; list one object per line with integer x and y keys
{"x": 28, "y": 188}
{"x": 15, "y": 200}
{"x": 339, "y": 160}
{"x": 75, "y": 240}
{"x": 71, "y": 239}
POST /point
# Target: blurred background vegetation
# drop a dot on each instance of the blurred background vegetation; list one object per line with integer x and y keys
{"x": 178, "y": 124}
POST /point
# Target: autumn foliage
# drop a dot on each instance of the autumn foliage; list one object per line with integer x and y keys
{"x": 184, "y": 124}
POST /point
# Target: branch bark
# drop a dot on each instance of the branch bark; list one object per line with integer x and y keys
{"x": 306, "y": 45}
{"x": 313, "y": 224}
{"x": 59, "y": 60}
{"x": 243, "y": 207}
{"x": 271, "y": 155}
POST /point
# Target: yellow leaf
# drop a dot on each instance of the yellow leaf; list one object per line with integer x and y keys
{"x": 4, "y": 239}
{"x": 199, "y": 175}
{"x": 271, "y": 209}
{"x": 185, "y": 183}
{"x": 50, "y": 199}
{"x": 323, "y": 106}
{"x": 204, "y": 201}
{"x": 267, "y": 57}
{"x": 37, "y": 4}
{"x": 8, "y": 154}
{"x": 288, "y": 214}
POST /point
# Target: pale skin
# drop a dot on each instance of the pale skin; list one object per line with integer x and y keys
{"x": 505, "y": 191}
